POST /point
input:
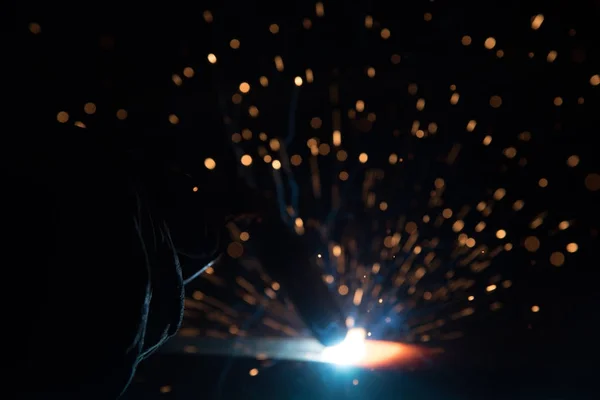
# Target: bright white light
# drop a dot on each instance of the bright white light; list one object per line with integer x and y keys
{"x": 350, "y": 351}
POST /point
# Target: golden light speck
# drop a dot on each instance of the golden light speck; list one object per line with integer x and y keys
{"x": 89, "y": 108}
{"x": 383, "y": 206}
{"x": 363, "y": 158}
{"x": 343, "y": 290}
{"x": 188, "y": 72}
{"x": 253, "y": 372}
{"x": 551, "y": 56}
{"x": 316, "y": 123}
{"x": 165, "y": 389}
{"x": 510, "y": 152}
{"x": 410, "y": 227}
{"x": 573, "y": 161}
{"x": 121, "y": 114}
{"x": 209, "y": 163}
{"x": 296, "y": 160}
{"x": 572, "y": 247}
{"x": 595, "y": 80}
{"x": 471, "y": 125}
{"x": 499, "y": 53}
{"x": 532, "y": 243}
{"x": 471, "y": 243}
{"x": 592, "y": 182}
{"x": 35, "y": 28}
{"x": 458, "y": 225}
{"x": 466, "y": 40}
{"x": 246, "y": 160}
{"x": 537, "y": 21}
{"x": 447, "y": 213}
{"x": 298, "y": 81}
{"x": 525, "y": 136}
{"x": 62, "y": 117}
{"x": 173, "y": 119}
{"x": 427, "y": 17}
{"x": 195, "y": 189}
{"x": 212, "y": 58}
{"x": 557, "y": 259}
{"x": 487, "y": 140}
{"x": 275, "y": 144}
{"x": 501, "y": 234}
{"x": 208, "y": 17}
{"x": 342, "y": 155}
{"x": 279, "y": 63}
{"x": 324, "y": 149}
{"x": 234, "y": 44}
{"x": 264, "y": 81}
{"x": 490, "y": 288}
{"x": 176, "y": 79}
{"x": 319, "y": 9}
{"x": 274, "y": 28}
{"x": 337, "y": 138}
{"x": 336, "y": 251}
{"x": 244, "y": 87}
{"x": 371, "y": 72}
{"x": 267, "y": 158}
{"x": 235, "y": 250}
{"x": 253, "y": 111}
{"x": 471, "y": 298}
{"x": 490, "y": 43}
{"x": 244, "y": 236}
{"x": 558, "y": 101}
{"x": 495, "y": 101}
{"x": 543, "y": 182}
{"x": 535, "y": 309}
{"x": 276, "y": 164}
{"x": 343, "y": 175}
{"x": 385, "y": 33}
{"x": 564, "y": 225}
{"x": 499, "y": 194}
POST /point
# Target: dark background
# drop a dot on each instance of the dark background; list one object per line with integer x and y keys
{"x": 123, "y": 56}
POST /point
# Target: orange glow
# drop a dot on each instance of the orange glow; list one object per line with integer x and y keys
{"x": 382, "y": 354}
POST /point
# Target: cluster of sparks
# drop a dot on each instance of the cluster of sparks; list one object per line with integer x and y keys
{"x": 418, "y": 256}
